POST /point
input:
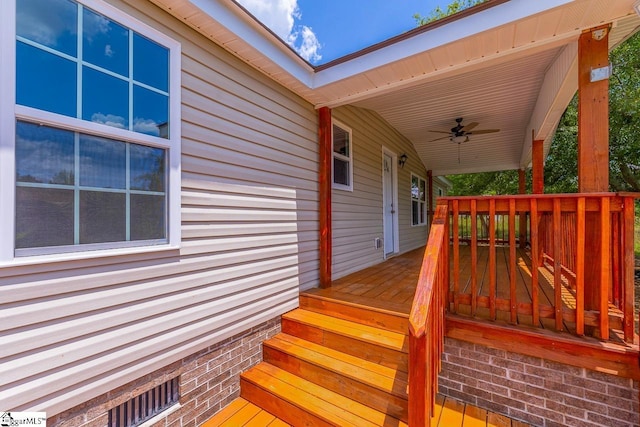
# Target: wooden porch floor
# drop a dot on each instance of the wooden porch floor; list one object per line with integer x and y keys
{"x": 449, "y": 413}
{"x": 391, "y": 285}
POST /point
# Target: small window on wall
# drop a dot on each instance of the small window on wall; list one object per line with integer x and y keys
{"x": 342, "y": 157}
{"x": 418, "y": 201}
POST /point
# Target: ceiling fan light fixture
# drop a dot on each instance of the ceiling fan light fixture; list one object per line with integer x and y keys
{"x": 459, "y": 139}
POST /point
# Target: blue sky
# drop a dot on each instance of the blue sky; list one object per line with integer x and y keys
{"x": 323, "y": 30}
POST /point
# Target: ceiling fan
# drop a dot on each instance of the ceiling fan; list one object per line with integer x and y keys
{"x": 460, "y": 133}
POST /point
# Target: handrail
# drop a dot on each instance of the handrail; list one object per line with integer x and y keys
{"x": 426, "y": 321}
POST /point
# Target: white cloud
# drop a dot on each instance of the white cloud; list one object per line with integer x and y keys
{"x": 109, "y": 120}
{"x": 280, "y": 16}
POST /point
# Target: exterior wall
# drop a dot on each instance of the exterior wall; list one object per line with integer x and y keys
{"x": 209, "y": 380}
{"x": 535, "y": 390}
{"x": 357, "y": 215}
{"x": 74, "y": 330}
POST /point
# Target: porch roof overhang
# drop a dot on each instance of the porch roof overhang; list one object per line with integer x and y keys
{"x": 507, "y": 64}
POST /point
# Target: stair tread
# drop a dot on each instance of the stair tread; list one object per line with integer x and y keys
{"x": 332, "y": 407}
{"x": 373, "y": 374}
{"x": 241, "y": 412}
{"x": 388, "y": 339}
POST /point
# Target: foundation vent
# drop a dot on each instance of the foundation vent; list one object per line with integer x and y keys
{"x": 146, "y": 405}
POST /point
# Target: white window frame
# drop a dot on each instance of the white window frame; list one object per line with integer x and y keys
{"x": 421, "y": 221}
{"x": 10, "y": 113}
{"x": 348, "y": 159}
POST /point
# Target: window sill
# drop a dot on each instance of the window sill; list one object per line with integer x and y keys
{"x": 86, "y": 255}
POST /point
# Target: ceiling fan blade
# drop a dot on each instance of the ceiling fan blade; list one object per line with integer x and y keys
{"x": 467, "y": 128}
{"x": 438, "y": 131}
{"x": 480, "y": 132}
{"x": 438, "y": 139}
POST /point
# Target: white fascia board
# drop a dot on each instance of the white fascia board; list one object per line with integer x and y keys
{"x": 488, "y": 19}
{"x": 252, "y": 33}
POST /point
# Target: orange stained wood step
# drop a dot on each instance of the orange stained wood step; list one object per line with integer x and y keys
{"x": 377, "y": 345}
{"x": 337, "y": 362}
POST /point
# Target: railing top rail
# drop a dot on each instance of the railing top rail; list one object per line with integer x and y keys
{"x": 428, "y": 272}
{"x": 542, "y": 196}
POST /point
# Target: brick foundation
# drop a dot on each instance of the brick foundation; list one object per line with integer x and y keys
{"x": 537, "y": 391}
{"x": 209, "y": 380}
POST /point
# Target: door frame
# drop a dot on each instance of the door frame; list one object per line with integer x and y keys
{"x": 395, "y": 223}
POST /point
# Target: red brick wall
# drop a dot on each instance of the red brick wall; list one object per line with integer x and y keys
{"x": 209, "y": 380}
{"x": 537, "y": 391}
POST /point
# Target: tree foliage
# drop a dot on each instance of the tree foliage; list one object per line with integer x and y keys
{"x": 439, "y": 13}
{"x": 561, "y": 165}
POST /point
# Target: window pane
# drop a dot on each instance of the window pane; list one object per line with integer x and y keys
{"x": 150, "y": 112}
{"x": 102, "y": 162}
{"x": 147, "y": 217}
{"x": 341, "y": 141}
{"x": 423, "y": 195}
{"x": 105, "y": 99}
{"x": 45, "y": 81}
{"x": 102, "y": 217}
{"x": 105, "y": 43}
{"x": 52, "y": 23}
{"x": 415, "y": 192}
{"x": 150, "y": 63}
{"x": 415, "y": 219}
{"x": 44, "y": 217}
{"x": 340, "y": 172}
{"x": 147, "y": 168}
{"x": 422, "y": 213}
{"x": 44, "y": 154}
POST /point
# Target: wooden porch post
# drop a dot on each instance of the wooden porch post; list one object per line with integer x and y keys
{"x": 522, "y": 189}
{"x": 324, "y": 184}
{"x": 593, "y": 148}
{"x": 430, "y": 208}
{"x": 538, "y": 166}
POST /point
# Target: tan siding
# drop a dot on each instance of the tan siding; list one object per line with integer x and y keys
{"x": 357, "y": 216}
{"x": 77, "y": 329}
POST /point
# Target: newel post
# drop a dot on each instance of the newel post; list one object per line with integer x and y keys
{"x": 324, "y": 188}
{"x": 593, "y": 149}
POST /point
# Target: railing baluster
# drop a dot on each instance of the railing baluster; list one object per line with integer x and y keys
{"x": 535, "y": 262}
{"x": 628, "y": 268}
{"x": 605, "y": 273}
{"x": 492, "y": 259}
{"x": 580, "y": 246}
{"x": 456, "y": 258}
{"x": 474, "y": 256}
{"x": 557, "y": 265}
{"x": 512, "y": 261}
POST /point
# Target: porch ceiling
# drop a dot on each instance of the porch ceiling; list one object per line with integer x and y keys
{"x": 508, "y": 64}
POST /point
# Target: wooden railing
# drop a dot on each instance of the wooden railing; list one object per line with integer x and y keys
{"x": 572, "y": 236}
{"x": 426, "y": 322}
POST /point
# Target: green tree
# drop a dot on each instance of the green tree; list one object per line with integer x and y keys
{"x": 439, "y": 13}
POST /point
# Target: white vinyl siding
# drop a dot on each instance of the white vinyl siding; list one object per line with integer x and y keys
{"x": 357, "y": 217}
{"x": 76, "y": 329}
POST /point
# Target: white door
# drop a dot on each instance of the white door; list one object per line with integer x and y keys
{"x": 388, "y": 199}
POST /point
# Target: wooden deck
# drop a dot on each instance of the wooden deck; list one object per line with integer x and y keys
{"x": 391, "y": 285}
{"x": 449, "y": 413}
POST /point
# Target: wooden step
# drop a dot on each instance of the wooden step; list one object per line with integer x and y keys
{"x": 300, "y": 402}
{"x": 373, "y": 385}
{"x": 359, "y": 309}
{"x": 241, "y": 412}
{"x": 373, "y": 344}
